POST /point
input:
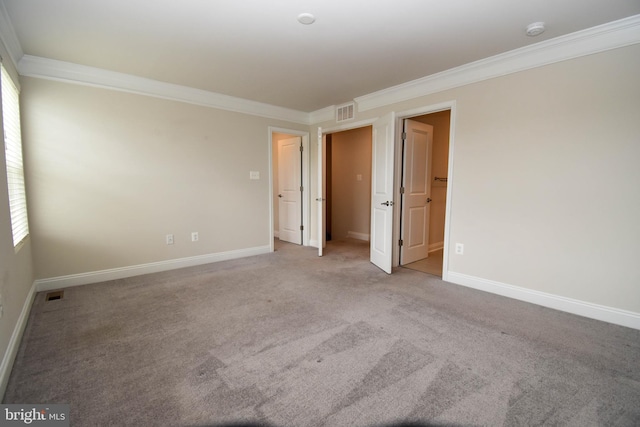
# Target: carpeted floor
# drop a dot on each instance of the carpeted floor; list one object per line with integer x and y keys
{"x": 291, "y": 339}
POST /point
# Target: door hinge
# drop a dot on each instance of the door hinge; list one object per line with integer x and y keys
{"x": 404, "y": 135}
{"x": 400, "y": 242}
{"x": 401, "y": 190}
{"x": 301, "y": 149}
{"x": 301, "y": 227}
{"x": 301, "y": 188}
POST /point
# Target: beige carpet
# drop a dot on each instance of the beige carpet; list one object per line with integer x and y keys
{"x": 290, "y": 339}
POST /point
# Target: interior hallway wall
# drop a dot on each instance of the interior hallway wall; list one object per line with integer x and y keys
{"x": 545, "y": 178}
{"x": 351, "y": 183}
{"x": 109, "y": 174}
{"x": 16, "y": 267}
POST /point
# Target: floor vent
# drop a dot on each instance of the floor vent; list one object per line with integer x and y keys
{"x": 51, "y": 296}
{"x": 345, "y": 112}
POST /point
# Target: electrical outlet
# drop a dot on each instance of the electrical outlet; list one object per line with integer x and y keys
{"x": 254, "y": 174}
{"x": 169, "y": 239}
{"x": 194, "y": 236}
{"x": 459, "y": 249}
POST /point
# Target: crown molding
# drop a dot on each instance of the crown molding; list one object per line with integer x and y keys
{"x": 8, "y": 37}
{"x": 604, "y": 37}
{"x": 612, "y": 35}
{"x": 322, "y": 115}
{"x": 50, "y": 69}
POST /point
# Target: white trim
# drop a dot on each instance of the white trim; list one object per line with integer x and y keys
{"x": 582, "y": 308}
{"x": 436, "y": 246}
{"x": 612, "y": 35}
{"x": 137, "y": 270}
{"x": 313, "y": 243}
{"x": 323, "y": 115}
{"x": 276, "y": 234}
{"x": 50, "y": 69}
{"x": 14, "y": 343}
{"x": 604, "y": 37}
{"x": 8, "y": 37}
{"x": 358, "y": 236}
{"x": 349, "y": 126}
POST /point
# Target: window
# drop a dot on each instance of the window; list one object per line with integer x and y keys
{"x": 13, "y": 155}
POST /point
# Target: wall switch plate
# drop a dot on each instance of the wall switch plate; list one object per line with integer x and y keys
{"x": 194, "y": 236}
{"x": 459, "y": 248}
{"x": 254, "y": 174}
{"x": 169, "y": 239}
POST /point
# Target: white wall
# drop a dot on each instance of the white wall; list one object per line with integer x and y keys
{"x": 109, "y": 174}
{"x": 16, "y": 270}
{"x": 545, "y": 178}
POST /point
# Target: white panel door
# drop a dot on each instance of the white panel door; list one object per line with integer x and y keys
{"x": 322, "y": 234}
{"x": 289, "y": 193}
{"x": 416, "y": 181}
{"x": 381, "y": 245}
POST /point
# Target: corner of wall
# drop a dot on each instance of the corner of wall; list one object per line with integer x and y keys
{"x": 14, "y": 343}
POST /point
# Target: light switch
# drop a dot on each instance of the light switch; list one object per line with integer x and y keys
{"x": 254, "y": 175}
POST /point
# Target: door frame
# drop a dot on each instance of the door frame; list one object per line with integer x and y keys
{"x": 322, "y": 133}
{"x": 306, "y": 183}
{"x": 400, "y": 116}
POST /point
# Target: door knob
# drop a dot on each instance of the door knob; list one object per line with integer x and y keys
{"x": 428, "y": 199}
{"x": 387, "y": 203}
{"x": 279, "y": 195}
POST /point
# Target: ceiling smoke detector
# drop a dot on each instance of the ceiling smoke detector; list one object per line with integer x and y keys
{"x": 535, "y": 29}
{"x": 306, "y": 18}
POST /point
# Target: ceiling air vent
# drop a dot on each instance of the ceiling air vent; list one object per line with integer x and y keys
{"x": 345, "y": 112}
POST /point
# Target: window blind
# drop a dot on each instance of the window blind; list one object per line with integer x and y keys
{"x": 13, "y": 155}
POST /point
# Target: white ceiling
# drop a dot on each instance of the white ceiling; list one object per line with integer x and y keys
{"x": 256, "y": 49}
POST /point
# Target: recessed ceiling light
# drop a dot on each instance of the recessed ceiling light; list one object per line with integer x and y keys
{"x": 535, "y": 29}
{"x": 306, "y": 18}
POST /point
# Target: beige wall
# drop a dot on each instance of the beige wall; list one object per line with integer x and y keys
{"x": 110, "y": 174}
{"x": 439, "y": 168}
{"x": 544, "y": 190}
{"x": 16, "y": 269}
{"x": 545, "y": 178}
{"x": 351, "y": 199}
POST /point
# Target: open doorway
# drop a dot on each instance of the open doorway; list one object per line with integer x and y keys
{"x": 425, "y": 166}
{"x": 348, "y": 185}
{"x": 386, "y": 176}
{"x": 289, "y": 186}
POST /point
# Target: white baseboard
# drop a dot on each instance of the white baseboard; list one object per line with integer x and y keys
{"x": 137, "y": 270}
{"x": 356, "y": 235}
{"x": 14, "y": 342}
{"x": 616, "y": 316}
{"x": 436, "y": 246}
